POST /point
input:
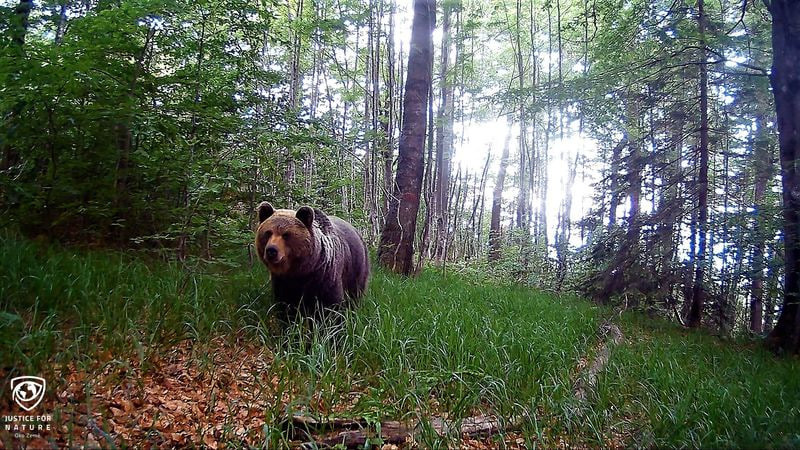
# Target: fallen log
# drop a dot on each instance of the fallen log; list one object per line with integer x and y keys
{"x": 398, "y": 433}
{"x": 610, "y": 336}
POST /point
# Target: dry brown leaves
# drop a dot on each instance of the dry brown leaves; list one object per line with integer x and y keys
{"x": 215, "y": 395}
{"x": 180, "y": 398}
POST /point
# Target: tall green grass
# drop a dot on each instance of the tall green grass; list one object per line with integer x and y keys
{"x": 668, "y": 387}
{"x": 65, "y": 304}
{"x": 437, "y": 345}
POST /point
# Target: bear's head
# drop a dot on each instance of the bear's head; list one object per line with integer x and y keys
{"x": 285, "y": 239}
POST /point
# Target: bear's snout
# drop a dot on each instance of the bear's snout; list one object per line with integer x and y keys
{"x": 272, "y": 253}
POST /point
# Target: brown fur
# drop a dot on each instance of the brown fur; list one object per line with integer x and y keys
{"x": 292, "y": 239}
{"x": 315, "y": 260}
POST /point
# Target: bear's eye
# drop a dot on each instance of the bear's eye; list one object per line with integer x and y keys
{"x": 286, "y": 236}
{"x": 268, "y": 234}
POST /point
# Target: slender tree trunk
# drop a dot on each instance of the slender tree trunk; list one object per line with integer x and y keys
{"x": 785, "y": 80}
{"x": 477, "y": 228}
{"x": 618, "y": 275}
{"x": 698, "y": 290}
{"x": 668, "y": 212}
{"x": 565, "y": 226}
{"x": 389, "y": 122}
{"x": 62, "y": 22}
{"x": 635, "y": 168}
{"x": 616, "y": 156}
{"x": 397, "y": 239}
{"x": 497, "y": 202}
{"x": 295, "y": 82}
{"x": 771, "y": 293}
{"x": 763, "y": 173}
{"x": 522, "y": 203}
{"x": 444, "y": 136}
{"x": 428, "y": 182}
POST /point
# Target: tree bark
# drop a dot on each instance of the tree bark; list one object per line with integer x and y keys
{"x": 785, "y": 80}
{"x": 444, "y": 137}
{"x": 389, "y": 122}
{"x": 397, "y": 239}
{"x": 497, "y": 202}
{"x": 522, "y": 201}
{"x": 616, "y": 155}
{"x": 478, "y": 198}
{"x": 698, "y": 291}
{"x": 763, "y": 173}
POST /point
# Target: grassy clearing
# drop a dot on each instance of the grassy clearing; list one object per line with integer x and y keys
{"x": 433, "y": 346}
{"x": 668, "y": 387}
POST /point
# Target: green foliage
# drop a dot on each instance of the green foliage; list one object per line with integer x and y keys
{"x": 158, "y": 124}
{"x": 523, "y": 261}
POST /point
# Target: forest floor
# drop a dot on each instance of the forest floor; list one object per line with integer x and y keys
{"x": 140, "y": 352}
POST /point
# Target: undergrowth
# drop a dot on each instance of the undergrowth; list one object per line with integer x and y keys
{"x": 437, "y": 345}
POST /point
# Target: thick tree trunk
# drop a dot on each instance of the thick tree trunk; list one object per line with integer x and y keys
{"x": 397, "y": 239}
{"x": 497, "y": 202}
{"x": 698, "y": 289}
{"x": 785, "y": 80}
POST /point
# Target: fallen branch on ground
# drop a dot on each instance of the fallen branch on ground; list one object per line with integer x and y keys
{"x": 397, "y": 432}
{"x": 610, "y": 335}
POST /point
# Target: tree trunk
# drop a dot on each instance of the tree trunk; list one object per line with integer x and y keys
{"x": 295, "y": 83}
{"x": 763, "y": 173}
{"x": 522, "y": 203}
{"x": 616, "y": 156}
{"x": 669, "y": 207}
{"x": 771, "y": 291}
{"x": 497, "y": 202}
{"x": 428, "y": 181}
{"x": 397, "y": 239}
{"x": 62, "y": 23}
{"x": 698, "y": 290}
{"x": 477, "y": 227}
{"x": 565, "y": 225}
{"x": 389, "y": 122}
{"x": 444, "y": 137}
{"x": 785, "y": 80}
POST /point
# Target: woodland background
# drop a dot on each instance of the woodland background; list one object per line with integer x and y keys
{"x": 161, "y": 125}
{"x": 508, "y": 159}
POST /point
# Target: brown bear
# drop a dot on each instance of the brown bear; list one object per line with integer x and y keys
{"x": 316, "y": 261}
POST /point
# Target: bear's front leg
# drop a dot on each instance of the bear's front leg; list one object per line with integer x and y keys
{"x": 333, "y": 296}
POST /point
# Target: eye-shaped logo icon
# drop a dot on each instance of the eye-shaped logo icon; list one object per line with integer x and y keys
{"x": 27, "y": 391}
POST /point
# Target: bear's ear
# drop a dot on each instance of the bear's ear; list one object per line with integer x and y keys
{"x": 265, "y": 210}
{"x": 306, "y": 215}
